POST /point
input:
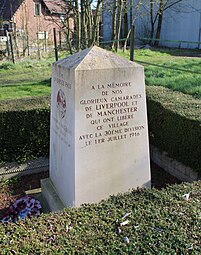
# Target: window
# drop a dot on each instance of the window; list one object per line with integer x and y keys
{"x": 36, "y": 9}
{"x": 62, "y": 18}
{"x": 43, "y": 35}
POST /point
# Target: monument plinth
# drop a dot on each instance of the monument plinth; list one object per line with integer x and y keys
{"x": 99, "y": 135}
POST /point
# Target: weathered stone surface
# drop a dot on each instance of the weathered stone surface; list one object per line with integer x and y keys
{"x": 99, "y": 137}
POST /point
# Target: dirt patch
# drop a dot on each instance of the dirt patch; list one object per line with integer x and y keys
{"x": 160, "y": 178}
{"x": 12, "y": 189}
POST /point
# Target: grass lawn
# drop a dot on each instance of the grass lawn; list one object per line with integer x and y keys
{"x": 29, "y": 89}
{"x": 170, "y": 69}
{"x": 32, "y": 78}
{"x": 26, "y": 78}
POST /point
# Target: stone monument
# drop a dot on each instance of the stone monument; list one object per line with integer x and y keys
{"x": 99, "y": 135}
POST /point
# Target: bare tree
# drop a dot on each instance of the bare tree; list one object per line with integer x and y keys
{"x": 114, "y": 23}
{"x": 119, "y": 22}
{"x": 86, "y": 18}
{"x": 154, "y": 9}
{"x": 157, "y": 8}
{"x": 96, "y": 23}
{"x": 132, "y": 21}
{"x": 77, "y": 34}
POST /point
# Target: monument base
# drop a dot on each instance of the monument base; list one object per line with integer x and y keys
{"x": 49, "y": 193}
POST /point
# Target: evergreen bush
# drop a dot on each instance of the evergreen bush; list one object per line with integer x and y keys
{"x": 24, "y": 128}
{"x": 175, "y": 125}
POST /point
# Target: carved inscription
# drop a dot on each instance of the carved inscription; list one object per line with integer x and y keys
{"x": 112, "y": 114}
{"x": 60, "y": 81}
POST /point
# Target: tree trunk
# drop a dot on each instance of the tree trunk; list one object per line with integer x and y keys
{"x": 125, "y": 18}
{"x": 132, "y": 19}
{"x": 127, "y": 37}
{"x": 27, "y": 30}
{"x": 68, "y": 38}
{"x": 152, "y": 21}
{"x": 96, "y": 20}
{"x": 114, "y": 23}
{"x": 160, "y": 19}
{"x": 78, "y": 30}
{"x": 88, "y": 23}
{"x": 131, "y": 13}
{"x": 83, "y": 25}
{"x": 120, "y": 8}
{"x": 97, "y": 38}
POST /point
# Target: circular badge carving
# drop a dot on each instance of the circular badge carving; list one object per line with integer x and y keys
{"x": 61, "y": 103}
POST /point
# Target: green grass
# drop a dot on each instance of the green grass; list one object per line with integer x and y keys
{"x": 32, "y": 78}
{"x": 159, "y": 222}
{"x": 166, "y": 68}
{"x": 24, "y": 72}
{"x": 18, "y": 91}
{"x": 26, "y": 78}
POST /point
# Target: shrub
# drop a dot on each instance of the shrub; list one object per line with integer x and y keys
{"x": 175, "y": 125}
{"x": 24, "y": 129}
{"x": 157, "y": 222}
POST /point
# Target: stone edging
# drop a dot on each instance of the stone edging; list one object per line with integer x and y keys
{"x": 170, "y": 165}
{"x": 173, "y": 167}
{"x": 13, "y": 169}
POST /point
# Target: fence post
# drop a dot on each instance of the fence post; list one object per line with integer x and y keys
{"x": 59, "y": 39}
{"x": 11, "y": 48}
{"x": 45, "y": 35}
{"x": 132, "y": 42}
{"x": 55, "y": 44}
{"x": 7, "y": 44}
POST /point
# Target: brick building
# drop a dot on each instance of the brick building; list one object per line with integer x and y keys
{"x": 34, "y": 19}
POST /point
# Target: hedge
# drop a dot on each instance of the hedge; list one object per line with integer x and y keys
{"x": 175, "y": 125}
{"x": 158, "y": 222}
{"x": 24, "y": 128}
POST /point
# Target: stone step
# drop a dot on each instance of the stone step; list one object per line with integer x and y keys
{"x": 37, "y": 194}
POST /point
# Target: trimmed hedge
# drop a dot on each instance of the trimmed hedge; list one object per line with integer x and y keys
{"x": 24, "y": 128}
{"x": 175, "y": 125}
{"x": 157, "y": 222}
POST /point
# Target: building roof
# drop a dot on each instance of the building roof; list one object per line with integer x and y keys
{"x": 9, "y": 7}
{"x": 55, "y": 6}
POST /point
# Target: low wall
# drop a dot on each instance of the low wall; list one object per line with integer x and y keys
{"x": 175, "y": 168}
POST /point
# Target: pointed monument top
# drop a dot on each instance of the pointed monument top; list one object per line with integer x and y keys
{"x": 95, "y": 58}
